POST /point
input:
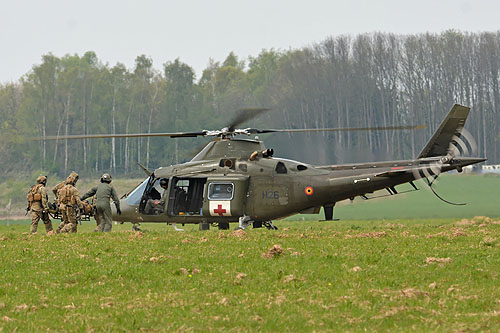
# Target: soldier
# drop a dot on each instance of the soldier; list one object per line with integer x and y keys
{"x": 38, "y": 204}
{"x": 56, "y": 188}
{"x": 69, "y": 204}
{"x": 104, "y": 192}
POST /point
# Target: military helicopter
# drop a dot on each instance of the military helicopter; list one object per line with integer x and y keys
{"x": 239, "y": 180}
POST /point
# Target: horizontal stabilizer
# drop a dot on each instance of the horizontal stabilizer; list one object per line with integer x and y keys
{"x": 452, "y": 125}
{"x": 394, "y": 173}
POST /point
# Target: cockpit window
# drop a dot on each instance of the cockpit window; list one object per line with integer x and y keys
{"x": 134, "y": 197}
{"x": 281, "y": 168}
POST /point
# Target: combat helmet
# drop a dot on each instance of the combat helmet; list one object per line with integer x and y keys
{"x": 164, "y": 182}
{"x": 41, "y": 179}
{"x": 72, "y": 178}
{"x": 106, "y": 178}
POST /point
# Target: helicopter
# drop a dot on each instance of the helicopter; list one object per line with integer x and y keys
{"x": 234, "y": 180}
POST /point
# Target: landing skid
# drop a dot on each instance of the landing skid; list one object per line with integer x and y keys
{"x": 244, "y": 222}
{"x": 269, "y": 225}
{"x": 177, "y": 229}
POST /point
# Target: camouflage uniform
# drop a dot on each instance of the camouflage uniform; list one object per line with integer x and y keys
{"x": 104, "y": 192}
{"x": 72, "y": 175}
{"x": 69, "y": 204}
{"x": 38, "y": 204}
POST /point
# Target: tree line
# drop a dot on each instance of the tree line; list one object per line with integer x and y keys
{"x": 378, "y": 79}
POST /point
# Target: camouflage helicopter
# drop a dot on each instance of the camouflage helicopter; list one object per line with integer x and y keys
{"x": 239, "y": 180}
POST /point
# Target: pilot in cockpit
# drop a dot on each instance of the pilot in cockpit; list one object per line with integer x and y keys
{"x": 156, "y": 203}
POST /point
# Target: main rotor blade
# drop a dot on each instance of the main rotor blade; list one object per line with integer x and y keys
{"x": 245, "y": 115}
{"x": 205, "y": 133}
{"x": 132, "y": 135}
{"x": 339, "y": 129}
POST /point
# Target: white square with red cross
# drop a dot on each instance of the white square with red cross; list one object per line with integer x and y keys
{"x": 220, "y": 208}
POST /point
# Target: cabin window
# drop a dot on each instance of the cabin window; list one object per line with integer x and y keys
{"x": 220, "y": 191}
{"x": 301, "y": 167}
{"x": 281, "y": 168}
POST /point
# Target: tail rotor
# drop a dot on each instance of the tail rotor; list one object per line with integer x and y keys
{"x": 462, "y": 144}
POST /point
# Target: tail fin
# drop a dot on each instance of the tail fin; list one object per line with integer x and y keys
{"x": 452, "y": 125}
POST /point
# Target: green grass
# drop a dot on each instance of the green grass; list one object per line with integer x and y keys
{"x": 336, "y": 276}
{"x": 374, "y": 270}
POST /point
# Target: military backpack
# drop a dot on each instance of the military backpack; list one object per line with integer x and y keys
{"x": 33, "y": 194}
{"x": 65, "y": 195}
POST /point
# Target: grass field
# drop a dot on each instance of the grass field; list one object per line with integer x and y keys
{"x": 420, "y": 275}
{"x": 404, "y": 263}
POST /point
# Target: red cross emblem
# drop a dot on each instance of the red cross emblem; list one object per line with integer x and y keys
{"x": 219, "y": 210}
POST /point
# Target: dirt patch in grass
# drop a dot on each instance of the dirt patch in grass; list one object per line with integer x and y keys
{"x": 432, "y": 260}
{"x": 240, "y": 233}
{"x": 413, "y": 293}
{"x": 374, "y": 234}
{"x": 136, "y": 235}
{"x": 480, "y": 221}
{"x": 273, "y": 252}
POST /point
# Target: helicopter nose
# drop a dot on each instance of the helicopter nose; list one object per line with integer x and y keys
{"x": 127, "y": 212}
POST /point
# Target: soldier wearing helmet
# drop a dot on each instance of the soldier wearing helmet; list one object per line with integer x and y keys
{"x": 103, "y": 193}
{"x": 73, "y": 175}
{"x": 156, "y": 206}
{"x": 38, "y": 204}
{"x": 69, "y": 204}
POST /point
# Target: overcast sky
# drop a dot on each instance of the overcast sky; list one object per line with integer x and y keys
{"x": 197, "y": 30}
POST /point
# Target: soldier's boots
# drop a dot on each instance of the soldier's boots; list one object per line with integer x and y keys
{"x": 59, "y": 228}
{"x": 69, "y": 228}
{"x": 48, "y": 227}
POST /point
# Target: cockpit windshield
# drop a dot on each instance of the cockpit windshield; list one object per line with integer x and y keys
{"x": 134, "y": 198}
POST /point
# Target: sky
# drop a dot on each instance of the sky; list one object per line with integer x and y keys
{"x": 196, "y": 31}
